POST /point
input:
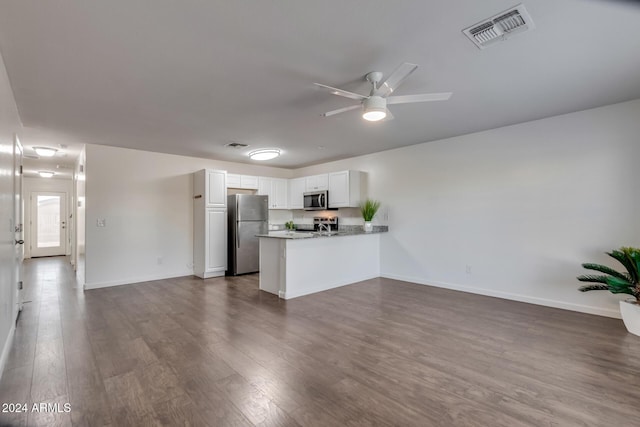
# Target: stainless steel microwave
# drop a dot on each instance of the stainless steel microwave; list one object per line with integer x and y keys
{"x": 316, "y": 201}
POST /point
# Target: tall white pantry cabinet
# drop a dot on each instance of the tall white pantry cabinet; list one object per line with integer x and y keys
{"x": 209, "y": 223}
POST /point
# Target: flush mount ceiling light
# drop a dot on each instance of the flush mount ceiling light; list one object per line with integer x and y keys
{"x": 45, "y": 151}
{"x": 264, "y": 154}
{"x": 375, "y": 108}
{"x": 46, "y": 174}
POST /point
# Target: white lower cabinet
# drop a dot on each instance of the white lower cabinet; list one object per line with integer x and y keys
{"x": 216, "y": 245}
{"x": 210, "y": 242}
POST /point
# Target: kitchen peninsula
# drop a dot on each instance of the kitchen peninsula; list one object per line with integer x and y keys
{"x": 293, "y": 264}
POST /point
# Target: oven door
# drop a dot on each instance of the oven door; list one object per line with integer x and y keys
{"x": 315, "y": 201}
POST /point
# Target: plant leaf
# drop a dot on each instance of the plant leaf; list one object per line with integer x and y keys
{"x": 593, "y": 278}
{"x": 625, "y": 260}
{"x": 587, "y": 288}
{"x": 606, "y": 270}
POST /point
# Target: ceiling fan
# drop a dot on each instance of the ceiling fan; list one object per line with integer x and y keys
{"x": 375, "y": 104}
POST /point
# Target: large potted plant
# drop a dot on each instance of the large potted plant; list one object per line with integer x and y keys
{"x": 619, "y": 283}
{"x": 369, "y": 209}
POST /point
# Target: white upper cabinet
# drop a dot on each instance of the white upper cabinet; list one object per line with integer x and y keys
{"x": 317, "y": 182}
{"x": 276, "y": 189}
{"x": 210, "y": 186}
{"x": 297, "y": 187}
{"x": 346, "y": 189}
{"x": 216, "y": 188}
{"x": 248, "y": 182}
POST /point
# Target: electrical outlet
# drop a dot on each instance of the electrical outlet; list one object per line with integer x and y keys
{"x": 160, "y": 260}
{"x": 101, "y": 222}
{"x": 468, "y": 269}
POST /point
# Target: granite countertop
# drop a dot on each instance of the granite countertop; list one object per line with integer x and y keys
{"x": 308, "y": 234}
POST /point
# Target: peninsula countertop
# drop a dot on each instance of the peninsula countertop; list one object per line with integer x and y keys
{"x": 308, "y": 234}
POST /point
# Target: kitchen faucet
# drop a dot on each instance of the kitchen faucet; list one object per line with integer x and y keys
{"x": 327, "y": 227}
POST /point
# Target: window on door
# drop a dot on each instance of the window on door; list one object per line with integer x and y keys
{"x": 48, "y": 224}
{"x": 48, "y": 234}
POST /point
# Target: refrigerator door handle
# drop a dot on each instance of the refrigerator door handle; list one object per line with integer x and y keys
{"x": 237, "y": 236}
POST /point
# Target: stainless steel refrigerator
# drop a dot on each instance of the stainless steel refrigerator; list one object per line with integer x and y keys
{"x": 248, "y": 215}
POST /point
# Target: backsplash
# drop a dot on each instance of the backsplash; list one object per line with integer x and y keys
{"x": 348, "y": 217}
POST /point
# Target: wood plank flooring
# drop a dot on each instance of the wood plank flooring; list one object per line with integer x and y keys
{"x": 381, "y": 352}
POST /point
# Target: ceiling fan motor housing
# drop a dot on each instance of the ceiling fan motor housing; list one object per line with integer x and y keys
{"x": 375, "y": 103}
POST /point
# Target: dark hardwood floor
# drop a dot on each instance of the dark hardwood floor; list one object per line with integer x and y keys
{"x": 381, "y": 352}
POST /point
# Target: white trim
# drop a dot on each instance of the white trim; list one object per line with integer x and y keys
{"x": 509, "y": 296}
{"x": 7, "y": 347}
{"x": 290, "y": 295}
{"x": 137, "y": 280}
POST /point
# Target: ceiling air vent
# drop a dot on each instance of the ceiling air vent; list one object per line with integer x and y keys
{"x": 500, "y": 27}
{"x": 236, "y": 145}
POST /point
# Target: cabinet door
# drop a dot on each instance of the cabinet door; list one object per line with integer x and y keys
{"x": 216, "y": 241}
{"x": 317, "y": 182}
{"x": 339, "y": 189}
{"x": 264, "y": 187}
{"x": 233, "y": 181}
{"x": 249, "y": 182}
{"x": 216, "y": 188}
{"x": 279, "y": 193}
{"x": 297, "y": 187}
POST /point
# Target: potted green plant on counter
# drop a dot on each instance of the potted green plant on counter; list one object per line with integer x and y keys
{"x": 290, "y": 226}
{"x": 369, "y": 209}
{"x": 619, "y": 283}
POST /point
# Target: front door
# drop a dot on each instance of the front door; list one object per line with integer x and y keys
{"x": 48, "y": 224}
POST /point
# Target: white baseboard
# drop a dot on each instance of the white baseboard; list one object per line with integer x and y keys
{"x": 130, "y": 281}
{"x": 7, "y": 347}
{"x": 514, "y": 297}
{"x": 303, "y": 292}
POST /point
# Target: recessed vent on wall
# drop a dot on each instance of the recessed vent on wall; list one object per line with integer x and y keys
{"x": 500, "y": 27}
{"x": 236, "y": 145}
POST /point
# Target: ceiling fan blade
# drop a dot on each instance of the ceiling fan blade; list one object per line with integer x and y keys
{"x": 340, "y": 92}
{"x": 340, "y": 110}
{"x": 423, "y": 97}
{"x": 396, "y": 78}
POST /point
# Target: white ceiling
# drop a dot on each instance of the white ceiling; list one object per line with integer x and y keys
{"x": 186, "y": 77}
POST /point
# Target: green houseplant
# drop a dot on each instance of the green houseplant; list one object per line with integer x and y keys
{"x": 619, "y": 283}
{"x": 369, "y": 209}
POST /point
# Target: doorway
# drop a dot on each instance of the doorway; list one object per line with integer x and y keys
{"x": 48, "y": 224}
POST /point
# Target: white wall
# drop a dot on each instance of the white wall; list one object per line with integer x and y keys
{"x": 31, "y": 185}
{"x": 146, "y": 200}
{"x": 522, "y": 205}
{"x": 9, "y": 125}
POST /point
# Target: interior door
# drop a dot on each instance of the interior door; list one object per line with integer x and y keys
{"x": 18, "y": 218}
{"x": 48, "y": 224}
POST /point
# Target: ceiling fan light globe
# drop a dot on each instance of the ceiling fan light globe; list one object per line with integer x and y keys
{"x": 374, "y": 115}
